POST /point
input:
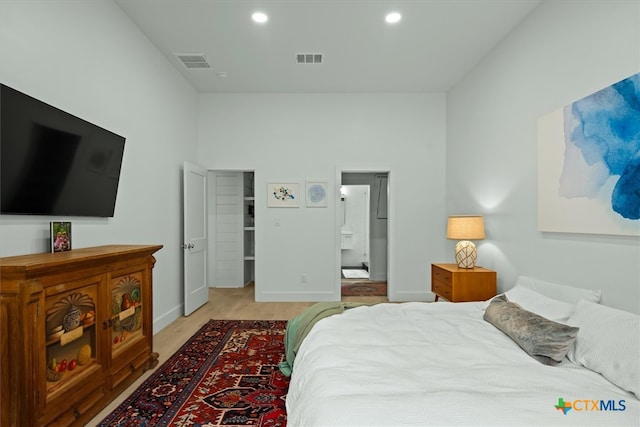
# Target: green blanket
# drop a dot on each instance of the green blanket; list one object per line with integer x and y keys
{"x": 299, "y": 327}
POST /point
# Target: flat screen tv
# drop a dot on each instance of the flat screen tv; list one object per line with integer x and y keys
{"x": 54, "y": 163}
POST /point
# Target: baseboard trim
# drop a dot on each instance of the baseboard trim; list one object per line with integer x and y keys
{"x": 159, "y": 323}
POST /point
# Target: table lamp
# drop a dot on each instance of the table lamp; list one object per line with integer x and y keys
{"x": 465, "y": 228}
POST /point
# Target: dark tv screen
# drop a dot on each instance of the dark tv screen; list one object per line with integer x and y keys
{"x": 54, "y": 163}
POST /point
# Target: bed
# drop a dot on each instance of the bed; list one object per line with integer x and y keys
{"x": 442, "y": 364}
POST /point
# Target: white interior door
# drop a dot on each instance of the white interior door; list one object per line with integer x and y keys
{"x": 196, "y": 291}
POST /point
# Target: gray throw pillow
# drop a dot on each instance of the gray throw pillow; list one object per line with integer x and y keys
{"x": 546, "y": 341}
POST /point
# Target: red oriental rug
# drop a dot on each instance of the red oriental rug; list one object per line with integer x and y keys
{"x": 225, "y": 375}
{"x": 367, "y": 288}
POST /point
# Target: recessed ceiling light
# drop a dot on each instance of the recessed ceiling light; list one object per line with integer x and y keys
{"x": 393, "y": 17}
{"x": 260, "y": 17}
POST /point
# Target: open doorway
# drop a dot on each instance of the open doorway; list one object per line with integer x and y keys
{"x": 354, "y": 231}
{"x": 231, "y": 222}
{"x": 363, "y": 233}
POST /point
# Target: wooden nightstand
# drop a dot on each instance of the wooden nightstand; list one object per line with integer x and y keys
{"x": 462, "y": 284}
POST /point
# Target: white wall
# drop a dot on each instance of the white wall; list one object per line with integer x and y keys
{"x": 87, "y": 58}
{"x": 296, "y": 137}
{"x": 562, "y": 52}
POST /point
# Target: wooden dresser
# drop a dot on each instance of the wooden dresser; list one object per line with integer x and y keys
{"x": 76, "y": 330}
{"x": 462, "y": 284}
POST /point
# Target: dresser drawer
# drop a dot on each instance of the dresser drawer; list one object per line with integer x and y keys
{"x": 442, "y": 289}
{"x": 132, "y": 370}
{"x": 441, "y": 281}
{"x": 441, "y": 275}
{"x": 82, "y": 405}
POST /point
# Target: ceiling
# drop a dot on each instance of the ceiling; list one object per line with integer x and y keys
{"x": 434, "y": 45}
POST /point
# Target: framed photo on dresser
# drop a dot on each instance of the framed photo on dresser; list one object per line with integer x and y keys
{"x": 60, "y": 236}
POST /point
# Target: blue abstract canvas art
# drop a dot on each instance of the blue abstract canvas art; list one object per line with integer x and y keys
{"x": 589, "y": 163}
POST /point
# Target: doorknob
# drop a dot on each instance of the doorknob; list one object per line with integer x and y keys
{"x": 187, "y": 246}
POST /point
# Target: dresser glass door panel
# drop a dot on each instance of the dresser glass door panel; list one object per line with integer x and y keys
{"x": 126, "y": 311}
{"x": 71, "y": 336}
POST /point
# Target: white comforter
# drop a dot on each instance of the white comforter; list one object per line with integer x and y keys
{"x": 421, "y": 364}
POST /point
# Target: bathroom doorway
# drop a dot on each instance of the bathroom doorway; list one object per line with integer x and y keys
{"x": 363, "y": 233}
{"x": 354, "y": 231}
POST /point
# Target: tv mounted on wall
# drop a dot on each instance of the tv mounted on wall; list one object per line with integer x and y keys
{"x": 54, "y": 163}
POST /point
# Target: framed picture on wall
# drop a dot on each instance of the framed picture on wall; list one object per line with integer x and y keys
{"x": 588, "y": 162}
{"x": 60, "y": 236}
{"x": 283, "y": 194}
{"x": 316, "y": 194}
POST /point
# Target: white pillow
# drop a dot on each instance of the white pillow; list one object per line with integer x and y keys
{"x": 564, "y": 293}
{"x": 535, "y": 302}
{"x": 608, "y": 342}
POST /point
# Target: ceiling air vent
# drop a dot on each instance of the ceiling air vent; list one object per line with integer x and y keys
{"x": 309, "y": 58}
{"x": 193, "y": 60}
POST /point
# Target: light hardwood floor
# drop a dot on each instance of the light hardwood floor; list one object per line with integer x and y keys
{"x": 235, "y": 303}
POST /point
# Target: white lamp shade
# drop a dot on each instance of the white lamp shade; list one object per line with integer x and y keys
{"x": 465, "y": 227}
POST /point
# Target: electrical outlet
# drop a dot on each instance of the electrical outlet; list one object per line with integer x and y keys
{"x": 304, "y": 278}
